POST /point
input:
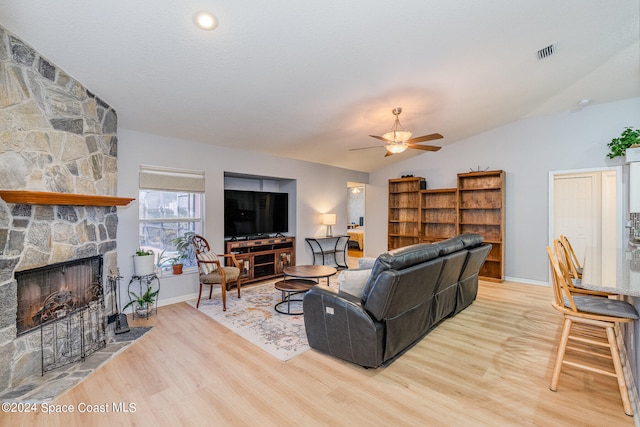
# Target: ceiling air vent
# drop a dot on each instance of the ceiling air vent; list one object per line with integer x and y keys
{"x": 546, "y": 51}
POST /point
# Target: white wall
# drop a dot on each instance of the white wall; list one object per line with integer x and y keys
{"x": 319, "y": 189}
{"x": 527, "y": 150}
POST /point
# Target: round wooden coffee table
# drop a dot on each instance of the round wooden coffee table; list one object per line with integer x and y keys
{"x": 298, "y": 280}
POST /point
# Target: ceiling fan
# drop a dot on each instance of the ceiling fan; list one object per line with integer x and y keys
{"x": 398, "y": 139}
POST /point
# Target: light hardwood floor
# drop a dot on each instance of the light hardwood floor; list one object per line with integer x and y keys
{"x": 489, "y": 366}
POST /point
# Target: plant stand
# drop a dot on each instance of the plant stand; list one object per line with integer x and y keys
{"x": 150, "y": 281}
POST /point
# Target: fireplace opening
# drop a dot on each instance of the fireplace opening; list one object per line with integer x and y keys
{"x": 65, "y": 302}
{"x": 56, "y": 290}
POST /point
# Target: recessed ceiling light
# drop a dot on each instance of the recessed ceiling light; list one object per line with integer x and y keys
{"x": 584, "y": 102}
{"x": 206, "y": 21}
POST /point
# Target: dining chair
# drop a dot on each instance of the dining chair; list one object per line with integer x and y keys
{"x": 574, "y": 263}
{"x": 212, "y": 272}
{"x": 573, "y": 283}
{"x": 591, "y": 312}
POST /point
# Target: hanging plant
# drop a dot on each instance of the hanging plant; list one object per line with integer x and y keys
{"x": 618, "y": 146}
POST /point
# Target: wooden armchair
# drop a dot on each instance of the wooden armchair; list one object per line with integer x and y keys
{"x": 212, "y": 272}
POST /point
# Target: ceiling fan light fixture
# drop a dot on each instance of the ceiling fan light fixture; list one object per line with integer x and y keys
{"x": 398, "y": 139}
{"x": 396, "y": 147}
{"x": 397, "y": 135}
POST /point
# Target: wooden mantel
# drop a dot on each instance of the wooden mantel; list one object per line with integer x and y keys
{"x": 51, "y": 198}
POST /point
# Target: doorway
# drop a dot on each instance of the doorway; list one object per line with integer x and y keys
{"x": 585, "y": 206}
{"x": 356, "y": 218}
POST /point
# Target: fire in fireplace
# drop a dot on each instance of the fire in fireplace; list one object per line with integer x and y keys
{"x": 57, "y": 290}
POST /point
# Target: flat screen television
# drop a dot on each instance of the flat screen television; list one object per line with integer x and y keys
{"x": 253, "y": 213}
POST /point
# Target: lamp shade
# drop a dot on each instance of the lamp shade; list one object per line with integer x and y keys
{"x": 329, "y": 219}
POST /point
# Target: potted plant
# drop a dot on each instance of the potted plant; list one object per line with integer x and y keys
{"x": 160, "y": 260}
{"x": 143, "y": 264}
{"x": 630, "y": 138}
{"x": 176, "y": 263}
{"x": 143, "y": 303}
{"x": 185, "y": 249}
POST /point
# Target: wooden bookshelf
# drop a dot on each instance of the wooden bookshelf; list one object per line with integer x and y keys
{"x": 477, "y": 206}
{"x": 404, "y": 212}
{"x": 439, "y": 214}
{"x": 481, "y": 210}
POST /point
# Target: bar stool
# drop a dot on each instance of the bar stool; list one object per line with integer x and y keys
{"x": 572, "y": 259}
{"x": 562, "y": 257}
{"x": 590, "y": 311}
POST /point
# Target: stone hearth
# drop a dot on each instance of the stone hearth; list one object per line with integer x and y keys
{"x": 55, "y": 136}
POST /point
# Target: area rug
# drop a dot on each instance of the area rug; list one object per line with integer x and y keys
{"x": 254, "y": 318}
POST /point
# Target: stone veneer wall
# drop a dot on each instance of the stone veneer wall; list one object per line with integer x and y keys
{"x": 55, "y": 136}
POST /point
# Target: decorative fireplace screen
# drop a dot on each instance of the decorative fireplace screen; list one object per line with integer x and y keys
{"x": 65, "y": 301}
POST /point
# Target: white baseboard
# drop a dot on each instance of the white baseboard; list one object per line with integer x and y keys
{"x": 176, "y": 300}
{"x": 526, "y": 281}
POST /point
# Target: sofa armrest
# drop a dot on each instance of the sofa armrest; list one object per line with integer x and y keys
{"x": 337, "y": 324}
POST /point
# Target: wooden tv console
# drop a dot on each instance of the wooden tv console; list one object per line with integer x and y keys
{"x": 262, "y": 258}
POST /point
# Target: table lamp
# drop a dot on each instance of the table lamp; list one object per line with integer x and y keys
{"x": 329, "y": 220}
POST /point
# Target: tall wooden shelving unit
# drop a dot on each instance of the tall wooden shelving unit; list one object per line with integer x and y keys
{"x": 439, "y": 214}
{"x": 481, "y": 210}
{"x": 477, "y": 205}
{"x": 404, "y": 212}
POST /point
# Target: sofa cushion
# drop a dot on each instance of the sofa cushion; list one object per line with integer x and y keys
{"x": 395, "y": 292}
{"x": 450, "y": 246}
{"x": 400, "y": 259}
{"x": 353, "y": 281}
{"x": 470, "y": 240}
{"x": 366, "y": 263}
{"x": 408, "y": 256}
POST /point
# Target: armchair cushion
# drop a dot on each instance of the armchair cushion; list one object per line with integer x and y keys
{"x": 208, "y": 267}
{"x": 353, "y": 281}
{"x": 230, "y": 273}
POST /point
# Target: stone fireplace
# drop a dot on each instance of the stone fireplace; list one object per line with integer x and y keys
{"x": 56, "y": 137}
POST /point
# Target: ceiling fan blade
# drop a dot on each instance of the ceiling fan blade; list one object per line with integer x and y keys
{"x": 365, "y": 148}
{"x": 379, "y": 137}
{"x": 389, "y": 153}
{"x": 424, "y": 147}
{"x": 425, "y": 138}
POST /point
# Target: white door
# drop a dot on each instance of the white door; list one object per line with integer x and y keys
{"x": 576, "y": 210}
{"x": 585, "y": 208}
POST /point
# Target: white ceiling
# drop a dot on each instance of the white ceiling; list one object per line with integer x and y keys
{"x": 311, "y": 79}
